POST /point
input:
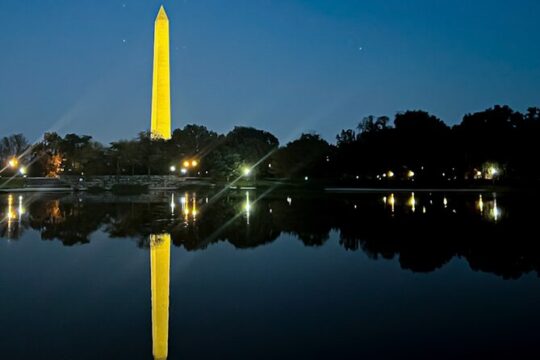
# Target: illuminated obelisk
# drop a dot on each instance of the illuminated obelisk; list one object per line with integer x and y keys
{"x": 161, "y": 83}
{"x": 160, "y": 254}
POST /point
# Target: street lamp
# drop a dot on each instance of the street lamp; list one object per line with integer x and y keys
{"x": 247, "y": 171}
{"x": 13, "y": 162}
{"x": 172, "y": 168}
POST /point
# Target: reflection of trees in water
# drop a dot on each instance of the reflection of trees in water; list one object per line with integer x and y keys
{"x": 423, "y": 237}
{"x": 226, "y": 220}
{"x": 71, "y": 222}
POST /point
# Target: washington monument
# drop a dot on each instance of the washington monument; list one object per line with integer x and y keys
{"x": 161, "y": 84}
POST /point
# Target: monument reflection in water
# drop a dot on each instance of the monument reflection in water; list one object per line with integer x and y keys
{"x": 160, "y": 254}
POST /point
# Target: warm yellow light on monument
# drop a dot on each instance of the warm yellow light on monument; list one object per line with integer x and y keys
{"x": 160, "y": 253}
{"x": 161, "y": 84}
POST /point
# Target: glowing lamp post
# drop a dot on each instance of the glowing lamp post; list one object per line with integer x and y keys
{"x": 187, "y": 165}
{"x": 13, "y": 163}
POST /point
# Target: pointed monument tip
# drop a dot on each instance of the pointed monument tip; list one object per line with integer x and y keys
{"x": 162, "y": 15}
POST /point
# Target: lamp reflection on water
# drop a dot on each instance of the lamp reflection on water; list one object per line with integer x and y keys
{"x": 160, "y": 254}
{"x": 412, "y": 202}
{"x": 20, "y": 210}
{"x": 10, "y": 213}
{"x": 189, "y": 206}
{"x": 480, "y": 204}
{"x": 392, "y": 201}
{"x": 173, "y": 205}
{"x": 13, "y": 214}
{"x": 489, "y": 208}
{"x": 496, "y": 212}
{"x": 185, "y": 206}
{"x": 194, "y": 207}
{"x": 247, "y": 207}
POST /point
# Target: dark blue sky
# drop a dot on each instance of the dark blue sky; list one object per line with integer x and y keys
{"x": 285, "y": 66}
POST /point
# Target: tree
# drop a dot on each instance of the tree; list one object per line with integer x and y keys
{"x": 12, "y": 146}
{"x": 346, "y": 137}
{"x": 372, "y": 124}
{"x": 244, "y": 146}
{"x": 194, "y": 140}
{"x": 306, "y": 156}
{"x": 489, "y": 135}
{"x": 422, "y": 140}
{"x": 126, "y": 153}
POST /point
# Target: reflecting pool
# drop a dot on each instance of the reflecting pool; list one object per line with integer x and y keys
{"x": 254, "y": 274}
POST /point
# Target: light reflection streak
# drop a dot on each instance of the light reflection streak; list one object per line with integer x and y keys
{"x": 412, "y": 202}
{"x": 247, "y": 207}
{"x": 392, "y": 201}
{"x": 10, "y": 213}
{"x": 185, "y": 206}
{"x": 480, "y": 204}
{"x": 496, "y": 212}
{"x": 194, "y": 207}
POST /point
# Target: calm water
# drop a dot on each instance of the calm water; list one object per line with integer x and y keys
{"x": 250, "y": 275}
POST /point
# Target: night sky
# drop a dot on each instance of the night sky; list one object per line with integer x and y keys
{"x": 284, "y": 66}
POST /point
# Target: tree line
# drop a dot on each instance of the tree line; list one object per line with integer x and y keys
{"x": 498, "y": 143}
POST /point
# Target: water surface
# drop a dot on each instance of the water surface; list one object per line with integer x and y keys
{"x": 268, "y": 275}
